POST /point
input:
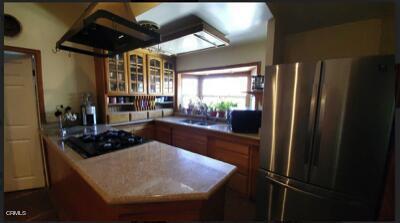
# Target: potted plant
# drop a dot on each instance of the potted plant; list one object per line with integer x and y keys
{"x": 221, "y": 107}
{"x": 212, "y": 110}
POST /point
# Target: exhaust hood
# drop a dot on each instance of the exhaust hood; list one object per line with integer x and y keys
{"x": 106, "y": 29}
{"x": 187, "y": 35}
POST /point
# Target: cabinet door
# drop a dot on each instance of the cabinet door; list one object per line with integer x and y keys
{"x": 235, "y": 154}
{"x": 163, "y": 133}
{"x": 136, "y": 73}
{"x": 189, "y": 139}
{"x": 116, "y": 74}
{"x": 168, "y": 77}
{"x": 154, "y": 75}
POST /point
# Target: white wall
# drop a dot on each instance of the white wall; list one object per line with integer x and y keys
{"x": 65, "y": 77}
{"x": 245, "y": 53}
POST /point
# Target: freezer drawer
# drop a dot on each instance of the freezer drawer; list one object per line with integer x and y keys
{"x": 279, "y": 201}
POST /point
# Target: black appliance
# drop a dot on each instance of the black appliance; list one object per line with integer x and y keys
{"x": 107, "y": 26}
{"x": 89, "y": 145}
{"x": 245, "y": 121}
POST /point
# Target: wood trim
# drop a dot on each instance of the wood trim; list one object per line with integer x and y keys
{"x": 257, "y": 64}
{"x": 39, "y": 77}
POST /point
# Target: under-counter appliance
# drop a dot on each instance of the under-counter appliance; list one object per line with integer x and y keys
{"x": 245, "y": 121}
{"x": 89, "y": 145}
{"x": 324, "y": 139}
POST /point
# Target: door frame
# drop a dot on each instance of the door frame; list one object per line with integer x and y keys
{"x": 39, "y": 78}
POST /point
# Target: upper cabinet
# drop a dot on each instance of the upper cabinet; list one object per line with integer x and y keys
{"x": 154, "y": 75}
{"x": 168, "y": 77}
{"x": 116, "y": 75}
{"x": 137, "y": 73}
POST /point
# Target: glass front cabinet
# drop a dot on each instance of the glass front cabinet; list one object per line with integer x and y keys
{"x": 137, "y": 73}
{"x": 168, "y": 77}
{"x": 116, "y": 75}
{"x": 154, "y": 75}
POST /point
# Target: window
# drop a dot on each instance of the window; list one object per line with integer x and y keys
{"x": 225, "y": 88}
{"x": 189, "y": 90}
{"x": 214, "y": 88}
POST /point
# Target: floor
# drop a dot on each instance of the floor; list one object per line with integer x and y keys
{"x": 35, "y": 202}
{"x": 38, "y": 207}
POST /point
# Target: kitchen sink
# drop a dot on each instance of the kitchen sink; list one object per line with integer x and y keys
{"x": 198, "y": 122}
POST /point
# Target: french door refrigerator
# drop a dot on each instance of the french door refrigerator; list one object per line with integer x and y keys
{"x": 324, "y": 138}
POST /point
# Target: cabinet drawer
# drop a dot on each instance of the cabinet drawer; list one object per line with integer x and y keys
{"x": 118, "y": 118}
{"x": 140, "y": 115}
{"x": 238, "y": 182}
{"x": 237, "y": 159}
{"x": 155, "y": 114}
{"x": 231, "y": 146}
{"x": 168, "y": 112}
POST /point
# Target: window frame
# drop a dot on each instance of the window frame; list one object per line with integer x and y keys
{"x": 201, "y": 78}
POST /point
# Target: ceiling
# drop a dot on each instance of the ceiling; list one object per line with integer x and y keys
{"x": 240, "y": 22}
{"x": 297, "y": 16}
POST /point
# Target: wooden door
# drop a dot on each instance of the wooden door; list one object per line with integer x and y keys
{"x": 23, "y": 165}
{"x": 116, "y": 75}
{"x": 137, "y": 73}
{"x": 168, "y": 77}
{"x": 154, "y": 75}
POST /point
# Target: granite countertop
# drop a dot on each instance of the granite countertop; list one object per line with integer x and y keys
{"x": 218, "y": 127}
{"x": 151, "y": 172}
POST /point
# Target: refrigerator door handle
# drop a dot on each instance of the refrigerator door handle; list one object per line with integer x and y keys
{"x": 312, "y": 113}
{"x": 320, "y": 119}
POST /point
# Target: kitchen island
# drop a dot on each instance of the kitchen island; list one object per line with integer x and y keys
{"x": 153, "y": 181}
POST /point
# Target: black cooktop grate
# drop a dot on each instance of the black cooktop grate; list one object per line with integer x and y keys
{"x": 93, "y": 145}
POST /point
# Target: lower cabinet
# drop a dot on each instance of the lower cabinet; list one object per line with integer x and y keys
{"x": 236, "y": 154}
{"x": 192, "y": 140}
{"x": 163, "y": 133}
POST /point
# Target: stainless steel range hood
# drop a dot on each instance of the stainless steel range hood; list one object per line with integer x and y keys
{"x": 106, "y": 29}
{"x": 187, "y": 35}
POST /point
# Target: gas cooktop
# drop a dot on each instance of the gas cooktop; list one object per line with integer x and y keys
{"x": 89, "y": 145}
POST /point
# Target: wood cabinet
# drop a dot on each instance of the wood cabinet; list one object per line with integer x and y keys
{"x": 154, "y": 75}
{"x": 238, "y": 151}
{"x": 163, "y": 133}
{"x": 193, "y": 140}
{"x": 236, "y": 154}
{"x": 116, "y": 71}
{"x": 168, "y": 77}
{"x": 137, "y": 73}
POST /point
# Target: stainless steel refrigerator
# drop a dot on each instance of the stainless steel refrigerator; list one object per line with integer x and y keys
{"x": 324, "y": 139}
